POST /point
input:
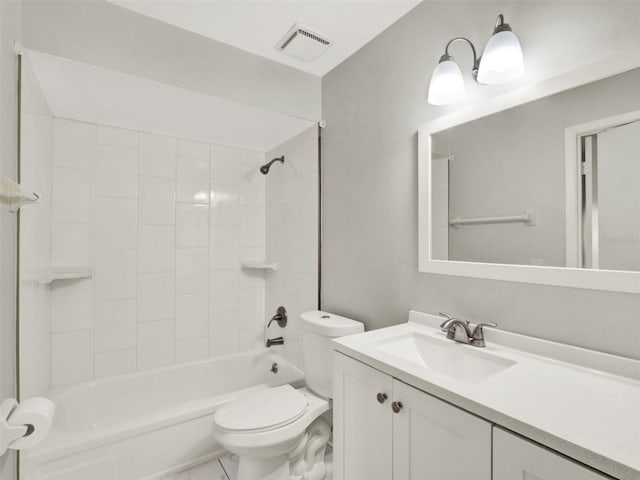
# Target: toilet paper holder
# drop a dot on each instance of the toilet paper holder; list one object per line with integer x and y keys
{"x": 10, "y": 433}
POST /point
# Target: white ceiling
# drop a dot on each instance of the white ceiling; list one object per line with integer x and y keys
{"x": 257, "y": 26}
{"x": 88, "y": 93}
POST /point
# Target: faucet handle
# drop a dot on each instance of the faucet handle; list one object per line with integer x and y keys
{"x": 446, "y": 315}
{"x": 478, "y": 333}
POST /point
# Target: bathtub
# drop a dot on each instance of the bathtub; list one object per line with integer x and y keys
{"x": 148, "y": 424}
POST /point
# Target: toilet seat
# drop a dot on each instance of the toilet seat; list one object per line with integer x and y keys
{"x": 262, "y": 410}
{"x": 274, "y": 440}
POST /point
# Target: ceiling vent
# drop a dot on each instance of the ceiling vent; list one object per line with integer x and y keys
{"x": 303, "y": 43}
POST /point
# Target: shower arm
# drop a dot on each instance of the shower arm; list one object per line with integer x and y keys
{"x": 277, "y": 159}
{"x": 265, "y": 168}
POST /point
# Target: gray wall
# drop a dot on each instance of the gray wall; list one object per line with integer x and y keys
{"x": 374, "y": 103}
{"x": 109, "y": 36}
{"x": 496, "y": 174}
{"x": 9, "y": 33}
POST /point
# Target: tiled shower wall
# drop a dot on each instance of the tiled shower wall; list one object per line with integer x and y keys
{"x": 36, "y": 170}
{"x": 163, "y": 222}
{"x": 292, "y": 236}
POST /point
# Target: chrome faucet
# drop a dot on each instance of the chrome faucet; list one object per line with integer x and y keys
{"x": 460, "y": 331}
{"x": 281, "y": 318}
{"x": 274, "y": 341}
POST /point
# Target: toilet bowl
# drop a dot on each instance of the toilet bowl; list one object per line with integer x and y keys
{"x": 280, "y": 433}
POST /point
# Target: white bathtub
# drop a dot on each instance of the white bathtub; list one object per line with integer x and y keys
{"x": 149, "y": 424}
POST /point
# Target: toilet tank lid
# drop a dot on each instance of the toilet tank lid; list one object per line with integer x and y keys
{"x": 330, "y": 324}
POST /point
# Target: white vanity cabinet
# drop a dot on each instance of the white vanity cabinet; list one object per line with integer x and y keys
{"x": 515, "y": 457}
{"x": 385, "y": 429}
{"x": 362, "y": 424}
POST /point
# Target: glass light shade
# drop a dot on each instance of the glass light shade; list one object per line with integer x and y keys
{"x": 446, "y": 85}
{"x": 502, "y": 59}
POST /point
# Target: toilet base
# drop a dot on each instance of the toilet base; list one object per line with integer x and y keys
{"x": 275, "y": 468}
{"x": 304, "y": 462}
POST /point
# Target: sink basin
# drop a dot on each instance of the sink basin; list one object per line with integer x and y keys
{"x": 456, "y": 360}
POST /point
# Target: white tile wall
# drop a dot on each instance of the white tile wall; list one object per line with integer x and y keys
{"x": 74, "y": 144}
{"x": 115, "y": 274}
{"x": 115, "y": 325}
{"x": 192, "y": 179}
{"x": 224, "y": 331}
{"x": 192, "y": 225}
{"x": 156, "y": 201}
{"x": 71, "y": 306}
{"x": 192, "y": 316}
{"x": 164, "y": 222}
{"x": 156, "y": 344}
{"x": 116, "y": 223}
{"x": 157, "y": 156}
{"x": 116, "y": 172}
{"x": 193, "y": 349}
{"x": 225, "y": 165}
{"x": 118, "y": 362}
{"x": 224, "y": 248}
{"x": 37, "y": 162}
{"x": 225, "y": 205}
{"x": 72, "y": 243}
{"x": 73, "y": 199}
{"x": 192, "y": 272}
{"x": 292, "y": 235}
{"x": 72, "y": 357}
{"x": 156, "y": 248}
{"x": 156, "y": 296}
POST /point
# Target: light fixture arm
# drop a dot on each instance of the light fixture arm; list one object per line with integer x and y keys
{"x": 476, "y": 60}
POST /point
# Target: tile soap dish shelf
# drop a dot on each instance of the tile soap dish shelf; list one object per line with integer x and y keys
{"x": 259, "y": 265}
{"x": 68, "y": 273}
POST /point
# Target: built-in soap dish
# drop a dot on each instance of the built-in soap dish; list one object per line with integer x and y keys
{"x": 259, "y": 265}
{"x": 68, "y": 273}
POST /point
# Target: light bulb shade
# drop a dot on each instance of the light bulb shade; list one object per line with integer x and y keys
{"x": 446, "y": 85}
{"x": 502, "y": 59}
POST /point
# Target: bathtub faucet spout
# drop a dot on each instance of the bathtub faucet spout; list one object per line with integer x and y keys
{"x": 275, "y": 341}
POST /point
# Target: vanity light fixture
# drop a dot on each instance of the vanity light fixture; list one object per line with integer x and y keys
{"x": 500, "y": 62}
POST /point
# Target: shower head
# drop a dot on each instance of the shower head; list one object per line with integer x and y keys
{"x": 265, "y": 168}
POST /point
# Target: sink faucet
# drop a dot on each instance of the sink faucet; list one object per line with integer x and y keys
{"x": 460, "y": 331}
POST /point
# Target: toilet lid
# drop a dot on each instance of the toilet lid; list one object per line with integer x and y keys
{"x": 262, "y": 410}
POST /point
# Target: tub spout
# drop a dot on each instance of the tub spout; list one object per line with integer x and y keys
{"x": 275, "y": 341}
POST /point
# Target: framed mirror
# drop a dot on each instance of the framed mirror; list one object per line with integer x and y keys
{"x": 540, "y": 185}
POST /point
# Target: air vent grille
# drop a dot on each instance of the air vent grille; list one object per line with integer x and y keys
{"x": 303, "y": 43}
{"x": 312, "y": 36}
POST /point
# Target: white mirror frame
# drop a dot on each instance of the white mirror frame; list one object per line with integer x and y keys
{"x": 619, "y": 281}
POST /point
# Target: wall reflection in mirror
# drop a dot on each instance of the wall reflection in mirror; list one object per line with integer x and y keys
{"x": 554, "y": 182}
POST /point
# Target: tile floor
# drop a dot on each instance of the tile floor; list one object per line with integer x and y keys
{"x": 226, "y": 468}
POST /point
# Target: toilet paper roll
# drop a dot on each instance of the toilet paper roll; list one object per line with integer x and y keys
{"x": 36, "y": 412}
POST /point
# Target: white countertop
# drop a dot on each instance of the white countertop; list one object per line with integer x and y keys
{"x": 583, "y": 404}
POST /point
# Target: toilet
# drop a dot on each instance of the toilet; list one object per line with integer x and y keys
{"x": 280, "y": 433}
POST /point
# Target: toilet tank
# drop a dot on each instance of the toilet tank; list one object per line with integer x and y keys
{"x": 318, "y": 330}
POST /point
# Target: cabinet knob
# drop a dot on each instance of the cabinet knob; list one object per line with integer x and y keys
{"x": 396, "y": 406}
{"x": 382, "y": 397}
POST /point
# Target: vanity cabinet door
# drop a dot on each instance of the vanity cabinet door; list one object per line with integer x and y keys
{"x": 362, "y": 421}
{"x": 434, "y": 440}
{"x": 514, "y": 458}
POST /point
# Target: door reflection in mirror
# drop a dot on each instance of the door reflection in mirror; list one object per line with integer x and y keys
{"x": 610, "y": 198}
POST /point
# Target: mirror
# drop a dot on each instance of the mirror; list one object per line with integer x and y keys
{"x": 538, "y": 188}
